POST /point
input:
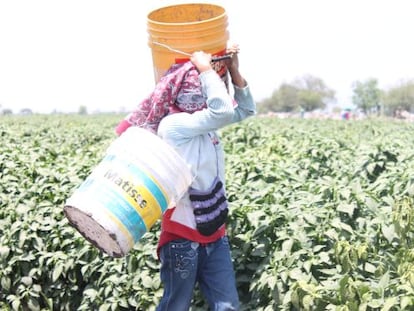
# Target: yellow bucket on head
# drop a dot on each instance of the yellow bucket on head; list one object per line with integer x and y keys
{"x": 185, "y": 28}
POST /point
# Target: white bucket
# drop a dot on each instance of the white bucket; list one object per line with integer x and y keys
{"x": 138, "y": 179}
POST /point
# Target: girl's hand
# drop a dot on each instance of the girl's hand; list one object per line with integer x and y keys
{"x": 233, "y": 62}
{"x": 202, "y": 61}
{"x": 233, "y": 66}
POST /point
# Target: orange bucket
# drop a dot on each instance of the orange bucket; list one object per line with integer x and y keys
{"x": 177, "y": 31}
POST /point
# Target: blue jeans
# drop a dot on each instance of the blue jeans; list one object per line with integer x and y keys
{"x": 183, "y": 263}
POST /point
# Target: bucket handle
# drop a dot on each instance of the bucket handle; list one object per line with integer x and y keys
{"x": 213, "y": 59}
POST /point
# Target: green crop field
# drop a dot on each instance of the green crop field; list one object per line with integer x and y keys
{"x": 321, "y": 217}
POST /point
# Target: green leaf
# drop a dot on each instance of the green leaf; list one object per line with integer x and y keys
{"x": 389, "y": 233}
{"x": 375, "y": 303}
{"x": 341, "y": 225}
{"x": 33, "y": 304}
{"x": 4, "y": 252}
{"x": 16, "y": 304}
{"x": 105, "y": 307}
{"x": 287, "y": 245}
{"x": 346, "y": 208}
{"x": 307, "y": 302}
{"x": 147, "y": 281}
{"x": 287, "y": 299}
{"x": 296, "y": 274}
{"x": 406, "y": 302}
{"x": 90, "y": 292}
{"x": 369, "y": 267}
{"x": 390, "y": 303}
{"x": 5, "y": 283}
{"x": 259, "y": 251}
{"x": 57, "y": 272}
{"x": 27, "y": 281}
{"x": 384, "y": 281}
{"x": 343, "y": 287}
{"x": 332, "y": 234}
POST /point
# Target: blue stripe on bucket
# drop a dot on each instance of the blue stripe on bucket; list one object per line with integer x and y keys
{"x": 115, "y": 203}
{"x": 149, "y": 183}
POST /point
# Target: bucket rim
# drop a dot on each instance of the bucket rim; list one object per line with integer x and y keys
{"x": 154, "y": 22}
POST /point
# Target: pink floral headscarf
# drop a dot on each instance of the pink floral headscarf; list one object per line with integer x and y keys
{"x": 179, "y": 90}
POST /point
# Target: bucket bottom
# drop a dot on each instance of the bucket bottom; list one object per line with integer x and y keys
{"x": 93, "y": 231}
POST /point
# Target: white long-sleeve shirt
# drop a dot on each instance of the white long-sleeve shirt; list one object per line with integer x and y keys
{"x": 195, "y": 138}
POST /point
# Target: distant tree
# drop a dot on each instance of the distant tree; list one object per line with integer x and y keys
{"x": 83, "y": 110}
{"x": 266, "y": 105}
{"x": 313, "y": 93}
{"x": 7, "y": 111}
{"x": 399, "y": 98}
{"x": 286, "y": 98}
{"x": 367, "y": 96}
{"x": 308, "y": 93}
{"x": 26, "y": 111}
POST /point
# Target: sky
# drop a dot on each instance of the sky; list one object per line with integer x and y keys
{"x": 58, "y": 55}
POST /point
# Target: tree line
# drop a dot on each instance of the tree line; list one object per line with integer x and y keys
{"x": 310, "y": 93}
